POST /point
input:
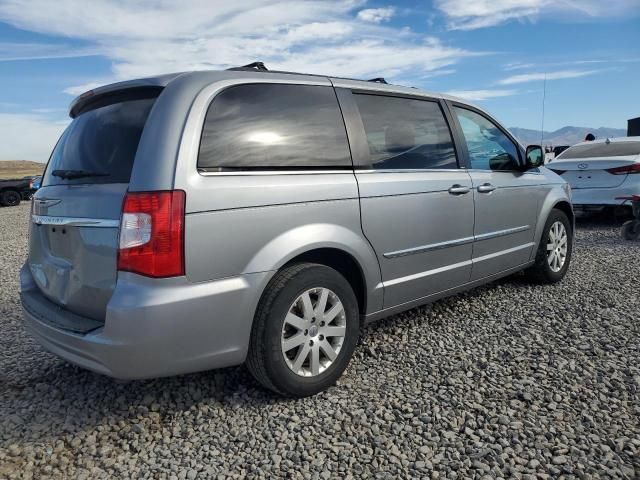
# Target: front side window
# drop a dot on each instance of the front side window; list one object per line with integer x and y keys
{"x": 274, "y": 126}
{"x": 489, "y": 148}
{"x": 405, "y": 133}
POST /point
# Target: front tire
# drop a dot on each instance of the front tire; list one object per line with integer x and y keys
{"x": 305, "y": 330}
{"x": 554, "y": 251}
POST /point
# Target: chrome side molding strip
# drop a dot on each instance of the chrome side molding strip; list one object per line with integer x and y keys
{"x": 419, "y": 275}
{"x": 502, "y": 233}
{"x": 429, "y": 248}
{"x": 456, "y": 242}
{"x": 75, "y": 221}
{"x": 416, "y": 276}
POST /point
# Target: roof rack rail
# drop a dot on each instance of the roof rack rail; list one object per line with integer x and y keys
{"x": 260, "y": 66}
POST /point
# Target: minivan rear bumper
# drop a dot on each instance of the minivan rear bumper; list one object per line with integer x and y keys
{"x": 157, "y": 327}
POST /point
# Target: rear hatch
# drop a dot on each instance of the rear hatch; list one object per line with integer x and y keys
{"x": 73, "y": 245}
{"x": 599, "y": 165}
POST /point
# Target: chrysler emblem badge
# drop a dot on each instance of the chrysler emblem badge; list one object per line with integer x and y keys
{"x": 583, "y": 166}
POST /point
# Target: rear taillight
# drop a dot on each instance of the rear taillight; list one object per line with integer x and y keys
{"x": 626, "y": 170}
{"x": 152, "y": 234}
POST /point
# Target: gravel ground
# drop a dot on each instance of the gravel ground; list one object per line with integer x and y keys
{"x": 507, "y": 380}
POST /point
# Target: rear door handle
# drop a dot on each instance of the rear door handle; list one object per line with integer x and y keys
{"x": 458, "y": 189}
{"x": 486, "y": 188}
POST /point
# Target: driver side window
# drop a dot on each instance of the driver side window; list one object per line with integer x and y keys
{"x": 489, "y": 148}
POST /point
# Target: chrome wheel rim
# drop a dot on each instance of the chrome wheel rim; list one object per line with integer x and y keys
{"x": 557, "y": 246}
{"x": 313, "y": 332}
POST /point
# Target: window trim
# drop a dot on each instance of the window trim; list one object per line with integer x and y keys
{"x": 463, "y": 142}
{"x": 358, "y": 138}
{"x": 328, "y": 169}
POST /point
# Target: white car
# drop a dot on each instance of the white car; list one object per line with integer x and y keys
{"x": 600, "y": 172}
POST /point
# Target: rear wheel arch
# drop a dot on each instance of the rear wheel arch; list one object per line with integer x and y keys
{"x": 341, "y": 261}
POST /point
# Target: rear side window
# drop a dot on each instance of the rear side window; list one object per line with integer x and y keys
{"x": 274, "y": 126}
{"x": 404, "y": 133}
{"x": 602, "y": 150}
{"x": 99, "y": 146}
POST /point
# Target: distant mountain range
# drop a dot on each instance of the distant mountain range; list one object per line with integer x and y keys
{"x": 564, "y": 135}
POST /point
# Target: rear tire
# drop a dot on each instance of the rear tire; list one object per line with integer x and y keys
{"x": 553, "y": 256}
{"x": 299, "y": 307}
{"x": 631, "y": 230}
{"x": 10, "y": 198}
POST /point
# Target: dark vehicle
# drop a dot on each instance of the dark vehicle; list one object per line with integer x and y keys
{"x": 559, "y": 149}
{"x": 14, "y": 190}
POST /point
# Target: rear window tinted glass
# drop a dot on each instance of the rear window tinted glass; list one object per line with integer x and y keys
{"x": 613, "y": 149}
{"x": 406, "y": 134}
{"x": 102, "y": 142}
{"x": 272, "y": 126}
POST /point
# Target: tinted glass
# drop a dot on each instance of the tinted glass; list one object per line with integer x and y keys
{"x": 406, "y": 134}
{"x": 265, "y": 126}
{"x": 489, "y": 148}
{"x": 103, "y": 141}
{"x": 602, "y": 150}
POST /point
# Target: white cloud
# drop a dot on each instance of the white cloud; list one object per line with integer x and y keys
{"x": 315, "y": 36}
{"x": 470, "y": 15}
{"x": 518, "y": 66}
{"x": 11, "y": 51}
{"x": 539, "y": 76}
{"x": 479, "y": 95}
{"x": 28, "y": 136}
{"x": 78, "y": 89}
{"x": 376, "y": 15}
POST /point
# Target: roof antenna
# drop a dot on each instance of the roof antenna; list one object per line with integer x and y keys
{"x": 377, "y": 80}
{"x": 544, "y": 96}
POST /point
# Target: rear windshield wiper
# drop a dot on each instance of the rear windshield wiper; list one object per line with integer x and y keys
{"x": 70, "y": 174}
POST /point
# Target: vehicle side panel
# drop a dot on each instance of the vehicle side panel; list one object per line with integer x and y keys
{"x": 247, "y": 222}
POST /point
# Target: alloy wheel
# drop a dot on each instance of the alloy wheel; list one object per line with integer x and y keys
{"x": 557, "y": 246}
{"x": 313, "y": 332}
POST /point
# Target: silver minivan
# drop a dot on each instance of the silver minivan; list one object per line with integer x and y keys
{"x": 206, "y": 219}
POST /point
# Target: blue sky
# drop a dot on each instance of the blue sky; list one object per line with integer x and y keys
{"x": 494, "y": 52}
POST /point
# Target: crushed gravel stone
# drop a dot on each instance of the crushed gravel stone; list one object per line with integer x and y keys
{"x": 507, "y": 380}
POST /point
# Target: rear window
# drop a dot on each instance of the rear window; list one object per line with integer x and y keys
{"x": 613, "y": 149}
{"x": 99, "y": 146}
{"x": 274, "y": 126}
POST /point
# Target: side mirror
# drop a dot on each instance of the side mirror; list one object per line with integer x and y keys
{"x": 534, "y": 157}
